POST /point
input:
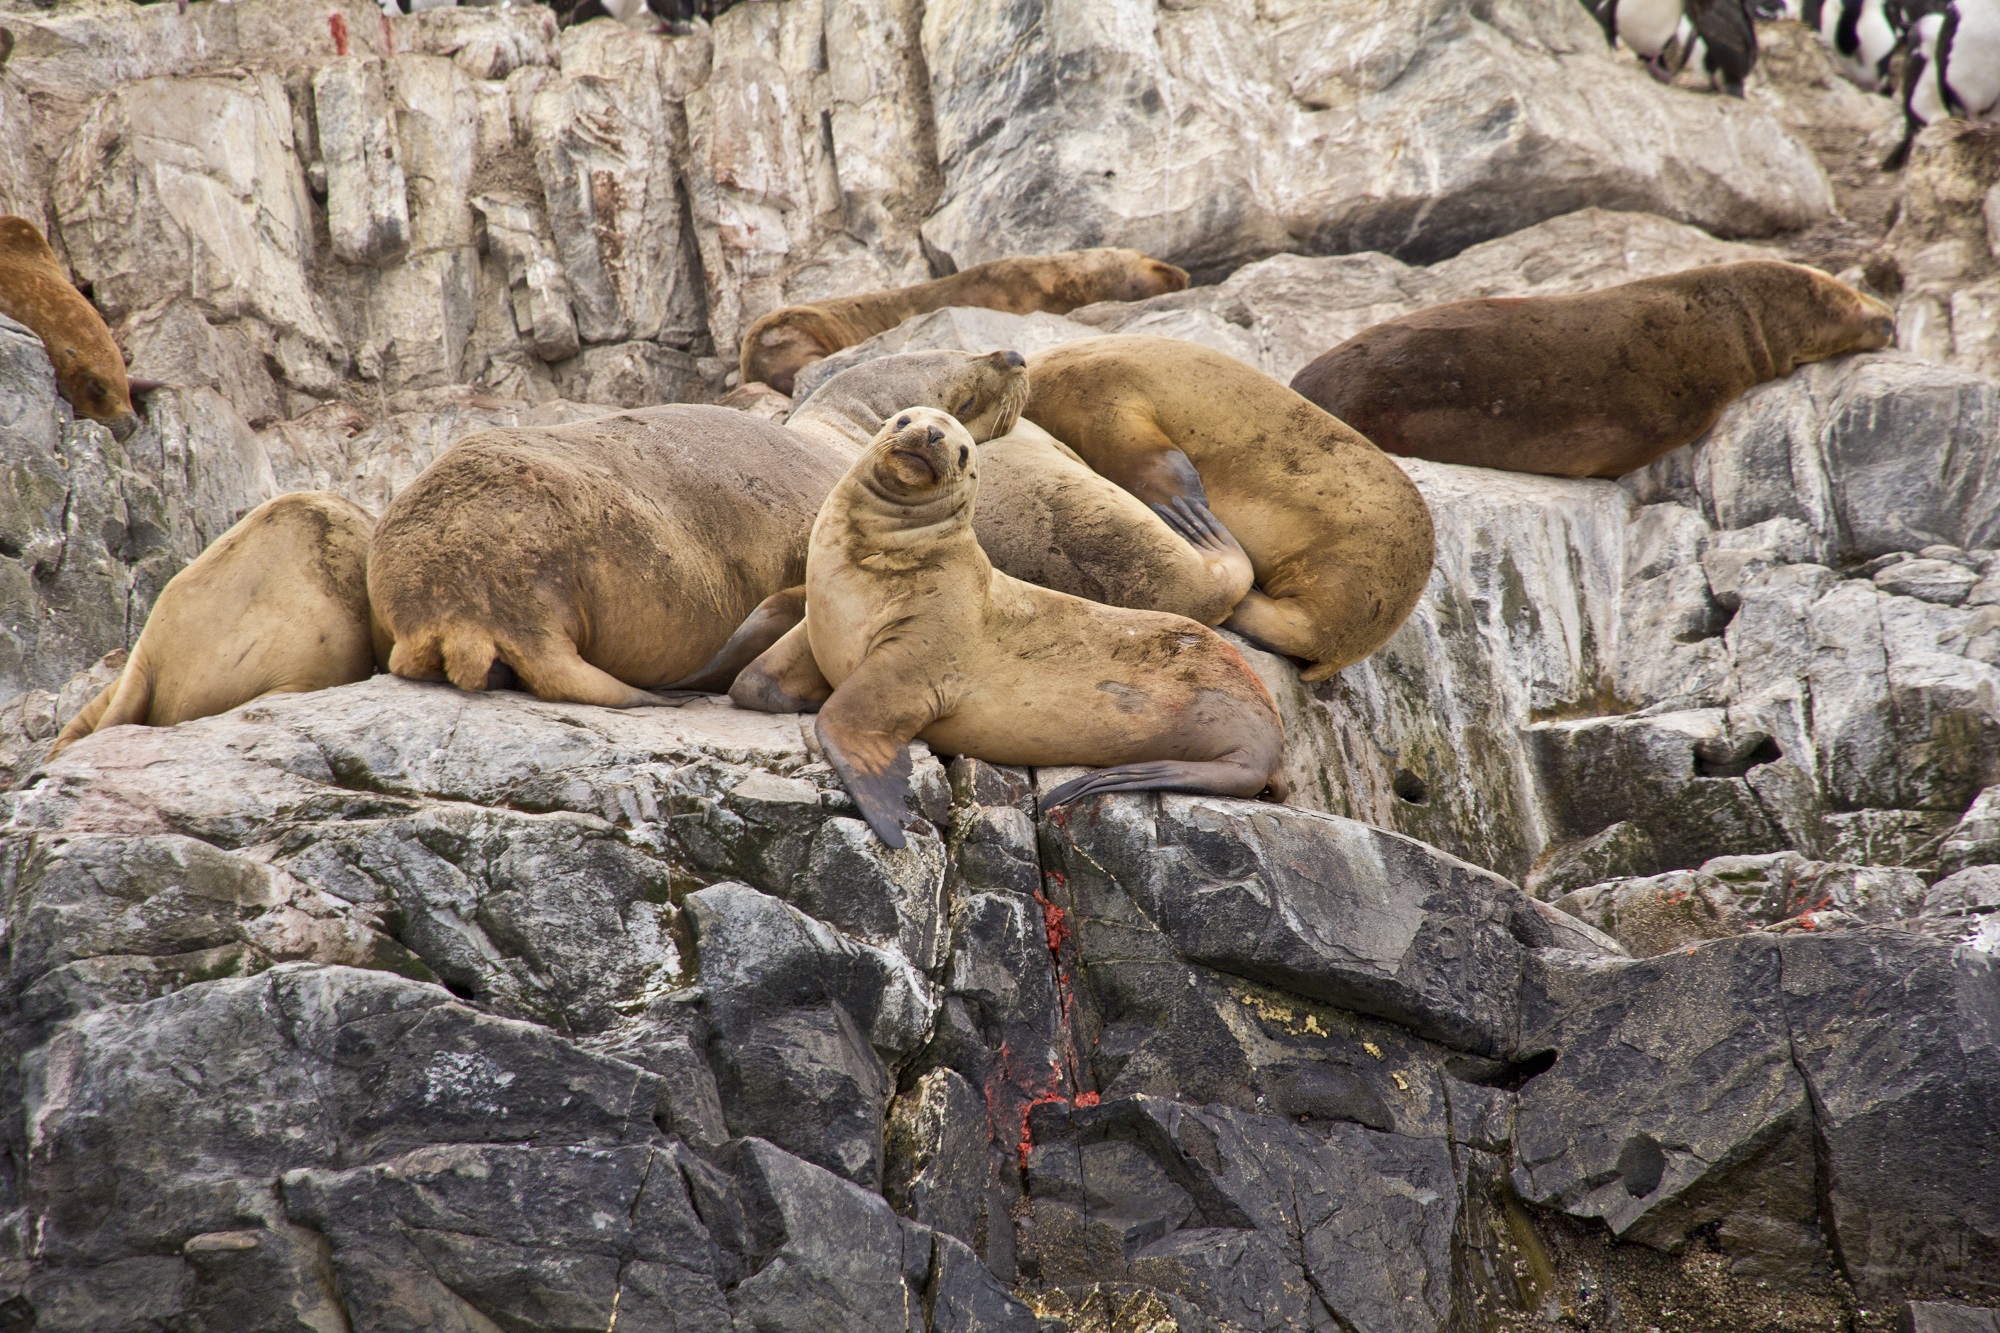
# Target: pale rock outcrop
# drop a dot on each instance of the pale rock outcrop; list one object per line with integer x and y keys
{"x": 1211, "y": 135}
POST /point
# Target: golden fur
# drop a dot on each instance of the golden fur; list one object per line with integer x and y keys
{"x": 1340, "y": 539}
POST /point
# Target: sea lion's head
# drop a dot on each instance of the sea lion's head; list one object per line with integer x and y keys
{"x": 1135, "y": 276}
{"x": 96, "y": 388}
{"x": 1832, "y": 318}
{"x": 919, "y": 457}
{"x": 984, "y": 391}
{"x": 90, "y": 371}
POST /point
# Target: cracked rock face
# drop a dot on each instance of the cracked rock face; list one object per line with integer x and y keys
{"x": 393, "y": 1007}
{"x": 415, "y": 1009}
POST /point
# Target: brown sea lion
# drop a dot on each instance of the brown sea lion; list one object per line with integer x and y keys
{"x": 1593, "y": 384}
{"x": 922, "y": 638}
{"x": 607, "y": 559}
{"x": 276, "y": 605}
{"x": 90, "y": 370}
{"x": 786, "y": 341}
{"x": 1339, "y": 537}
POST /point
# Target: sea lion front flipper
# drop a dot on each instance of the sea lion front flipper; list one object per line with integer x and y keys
{"x": 1199, "y": 527}
{"x": 784, "y": 679}
{"x": 866, "y": 729}
{"x": 772, "y": 620}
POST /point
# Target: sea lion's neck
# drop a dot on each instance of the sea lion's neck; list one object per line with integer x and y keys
{"x": 840, "y": 419}
{"x": 873, "y": 530}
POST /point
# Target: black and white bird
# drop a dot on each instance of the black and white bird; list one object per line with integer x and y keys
{"x": 1953, "y": 69}
{"x": 1718, "y": 36}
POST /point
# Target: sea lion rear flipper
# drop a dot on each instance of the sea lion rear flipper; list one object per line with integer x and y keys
{"x": 1231, "y": 775}
{"x": 866, "y": 729}
{"x": 772, "y": 620}
{"x": 784, "y": 679}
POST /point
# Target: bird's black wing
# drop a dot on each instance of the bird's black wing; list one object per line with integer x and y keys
{"x": 1606, "y": 14}
{"x": 1730, "y": 36}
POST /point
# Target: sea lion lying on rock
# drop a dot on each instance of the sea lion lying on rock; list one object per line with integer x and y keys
{"x": 781, "y": 344}
{"x": 922, "y": 638}
{"x": 90, "y": 370}
{"x": 1340, "y": 539}
{"x": 601, "y": 561}
{"x": 1593, "y": 384}
{"x": 276, "y": 605}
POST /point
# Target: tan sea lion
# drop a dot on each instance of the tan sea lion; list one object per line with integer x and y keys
{"x": 1043, "y": 517}
{"x": 781, "y": 344}
{"x": 601, "y": 561}
{"x": 1593, "y": 384}
{"x": 1340, "y": 538}
{"x": 276, "y": 605}
{"x": 922, "y": 638}
{"x": 90, "y": 370}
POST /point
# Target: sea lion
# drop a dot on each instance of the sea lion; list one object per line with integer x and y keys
{"x": 1340, "y": 539}
{"x": 276, "y": 605}
{"x": 781, "y": 344}
{"x": 1593, "y": 384}
{"x": 601, "y": 561}
{"x": 922, "y": 638}
{"x": 1044, "y": 517}
{"x": 90, "y": 370}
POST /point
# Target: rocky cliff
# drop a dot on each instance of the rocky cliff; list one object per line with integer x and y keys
{"x": 1625, "y": 961}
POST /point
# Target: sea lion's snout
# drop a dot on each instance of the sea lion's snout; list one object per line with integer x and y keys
{"x": 122, "y": 427}
{"x": 1016, "y": 360}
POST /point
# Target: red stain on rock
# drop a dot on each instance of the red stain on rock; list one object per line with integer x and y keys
{"x": 336, "y": 23}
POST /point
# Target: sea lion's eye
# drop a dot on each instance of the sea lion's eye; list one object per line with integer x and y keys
{"x": 965, "y": 408}
{"x": 963, "y": 454}
{"x": 902, "y": 423}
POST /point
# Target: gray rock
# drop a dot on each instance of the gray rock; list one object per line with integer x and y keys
{"x": 1942, "y": 581}
{"x": 1675, "y": 1106}
{"x": 1320, "y": 906}
{"x": 1158, "y": 131}
{"x": 1945, "y": 1317}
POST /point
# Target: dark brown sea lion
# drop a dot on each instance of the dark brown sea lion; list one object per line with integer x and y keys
{"x": 276, "y": 605}
{"x": 921, "y": 638}
{"x": 781, "y": 344}
{"x": 1339, "y": 537}
{"x": 90, "y": 370}
{"x": 1594, "y": 384}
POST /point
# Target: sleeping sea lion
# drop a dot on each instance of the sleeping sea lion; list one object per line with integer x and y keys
{"x": 604, "y": 560}
{"x": 1593, "y": 384}
{"x": 1340, "y": 539}
{"x": 922, "y": 638}
{"x": 276, "y": 605}
{"x": 781, "y": 344}
{"x": 90, "y": 370}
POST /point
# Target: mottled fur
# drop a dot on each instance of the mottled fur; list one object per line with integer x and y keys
{"x": 1339, "y": 537}
{"x": 781, "y": 344}
{"x": 921, "y": 637}
{"x": 1593, "y": 384}
{"x": 607, "y": 559}
{"x": 90, "y": 370}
